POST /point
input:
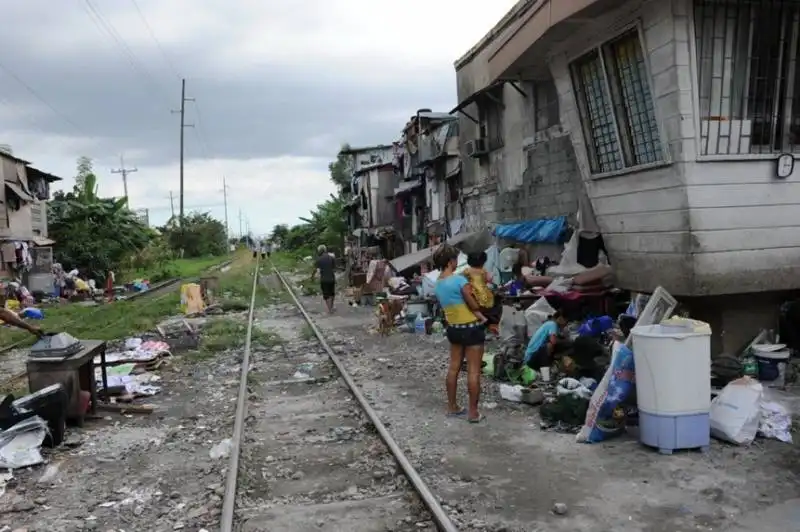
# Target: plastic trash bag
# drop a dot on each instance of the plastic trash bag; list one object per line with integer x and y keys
{"x": 602, "y": 422}
{"x": 570, "y": 386}
{"x": 537, "y": 314}
{"x": 736, "y": 412}
{"x": 32, "y": 313}
{"x": 568, "y": 265}
{"x": 512, "y": 325}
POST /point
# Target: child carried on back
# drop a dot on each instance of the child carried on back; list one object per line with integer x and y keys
{"x": 480, "y": 281}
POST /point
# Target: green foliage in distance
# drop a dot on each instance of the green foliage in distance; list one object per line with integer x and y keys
{"x": 199, "y": 235}
{"x": 92, "y": 233}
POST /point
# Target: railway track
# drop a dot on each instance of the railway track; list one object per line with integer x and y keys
{"x": 308, "y": 452}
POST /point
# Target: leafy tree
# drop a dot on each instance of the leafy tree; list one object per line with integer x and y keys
{"x": 199, "y": 235}
{"x": 93, "y": 233}
{"x": 279, "y": 233}
{"x": 85, "y": 169}
{"x": 341, "y": 170}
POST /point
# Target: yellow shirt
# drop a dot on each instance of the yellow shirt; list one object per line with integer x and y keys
{"x": 477, "y": 279}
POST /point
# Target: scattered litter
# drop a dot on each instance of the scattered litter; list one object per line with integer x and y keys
{"x": 221, "y": 450}
{"x": 20, "y": 445}
{"x": 5, "y": 478}
{"x": 50, "y": 473}
{"x": 570, "y": 386}
{"x": 511, "y": 392}
{"x": 146, "y": 352}
{"x": 140, "y": 385}
{"x": 776, "y": 421}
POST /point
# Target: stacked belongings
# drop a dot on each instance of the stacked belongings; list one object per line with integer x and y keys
{"x": 594, "y": 280}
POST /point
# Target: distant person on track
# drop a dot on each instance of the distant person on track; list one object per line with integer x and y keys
{"x": 327, "y": 276}
{"x": 466, "y": 332}
{"x": 268, "y": 248}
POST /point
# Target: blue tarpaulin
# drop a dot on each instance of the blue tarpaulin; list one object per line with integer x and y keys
{"x": 544, "y": 230}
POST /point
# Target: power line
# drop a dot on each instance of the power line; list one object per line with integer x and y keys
{"x": 39, "y": 97}
{"x": 104, "y": 25}
{"x": 153, "y": 35}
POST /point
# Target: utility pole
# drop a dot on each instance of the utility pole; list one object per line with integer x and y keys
{"x": 124, "y": 171}
{"x": 225, "y": 196}
{"x": 241, "y": 233}
{"x": 184, "y": 125}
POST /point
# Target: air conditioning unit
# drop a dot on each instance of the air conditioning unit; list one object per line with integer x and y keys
{"x": 476, "y": 148}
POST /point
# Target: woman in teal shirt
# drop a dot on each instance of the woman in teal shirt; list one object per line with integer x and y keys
{"x": 466, "y": 332}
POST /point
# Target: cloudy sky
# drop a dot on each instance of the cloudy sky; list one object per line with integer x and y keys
{"x": 279, "y": 86}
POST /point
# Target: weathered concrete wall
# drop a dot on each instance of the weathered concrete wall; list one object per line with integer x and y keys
{"x": 533, "y": 175}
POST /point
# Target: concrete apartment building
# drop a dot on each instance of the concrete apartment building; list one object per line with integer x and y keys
{"x": 669, "y": 122}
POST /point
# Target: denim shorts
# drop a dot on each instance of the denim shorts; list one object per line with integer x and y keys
{"x": 467, "y": 335}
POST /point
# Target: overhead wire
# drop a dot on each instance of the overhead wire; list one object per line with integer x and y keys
{"x": 41, "y": 99}
{"x": 199, "y": 129}
{"x": 107, "y": 27}
{"x": 155, "y": 39}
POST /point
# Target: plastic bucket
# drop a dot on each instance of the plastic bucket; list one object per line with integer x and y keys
{"x": 772, "y": 366}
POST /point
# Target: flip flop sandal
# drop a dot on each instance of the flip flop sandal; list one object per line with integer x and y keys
{"x": 477, "y": 420}
{"x": 460, "y": 413}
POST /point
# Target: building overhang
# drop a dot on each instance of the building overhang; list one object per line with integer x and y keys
{"x": 485, "y": 92}
{"x": 35, "y": 172}
{"x": 525, "y": 43}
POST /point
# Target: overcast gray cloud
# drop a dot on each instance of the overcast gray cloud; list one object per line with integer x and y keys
{"x": 279, "y": 85}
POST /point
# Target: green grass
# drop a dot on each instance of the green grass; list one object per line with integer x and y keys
{"x": 227, "y": 333}
{"x": 176, "y": 268}
{"x": 289, "y": 262}
{"x": 307, "y": 333}
{"x": 114, "y": 320}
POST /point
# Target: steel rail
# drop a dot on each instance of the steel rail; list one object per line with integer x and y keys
{"x": 440, "y": 517}
{"x": 229, "y": 496}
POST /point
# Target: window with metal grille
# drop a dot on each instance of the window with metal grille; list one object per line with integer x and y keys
{"x": 748, "y": 81}
{"x": 616, "y": 106}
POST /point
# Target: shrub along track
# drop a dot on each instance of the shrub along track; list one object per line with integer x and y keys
{"x": 310, "y": 458}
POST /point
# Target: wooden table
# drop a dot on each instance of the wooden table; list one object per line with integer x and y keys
{"x": 74, "y": 372}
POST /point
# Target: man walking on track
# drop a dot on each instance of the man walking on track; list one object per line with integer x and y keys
{"x": 327, "y": 276}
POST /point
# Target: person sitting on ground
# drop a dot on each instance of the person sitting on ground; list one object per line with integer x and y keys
{"x": 465, "y": 332}
{"x": 10, "y": 317}
{"x": 541, "y": 347}
{"x": 479, "y": 280}
{"x": 325, "y": 265}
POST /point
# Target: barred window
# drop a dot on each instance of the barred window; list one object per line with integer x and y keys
{"x": 616, "y": 106}
{"x": 748, "y": 81}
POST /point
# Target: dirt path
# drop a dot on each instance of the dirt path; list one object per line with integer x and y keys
{"x": 507, "y": 474}
{"x": 155, "y": 473}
